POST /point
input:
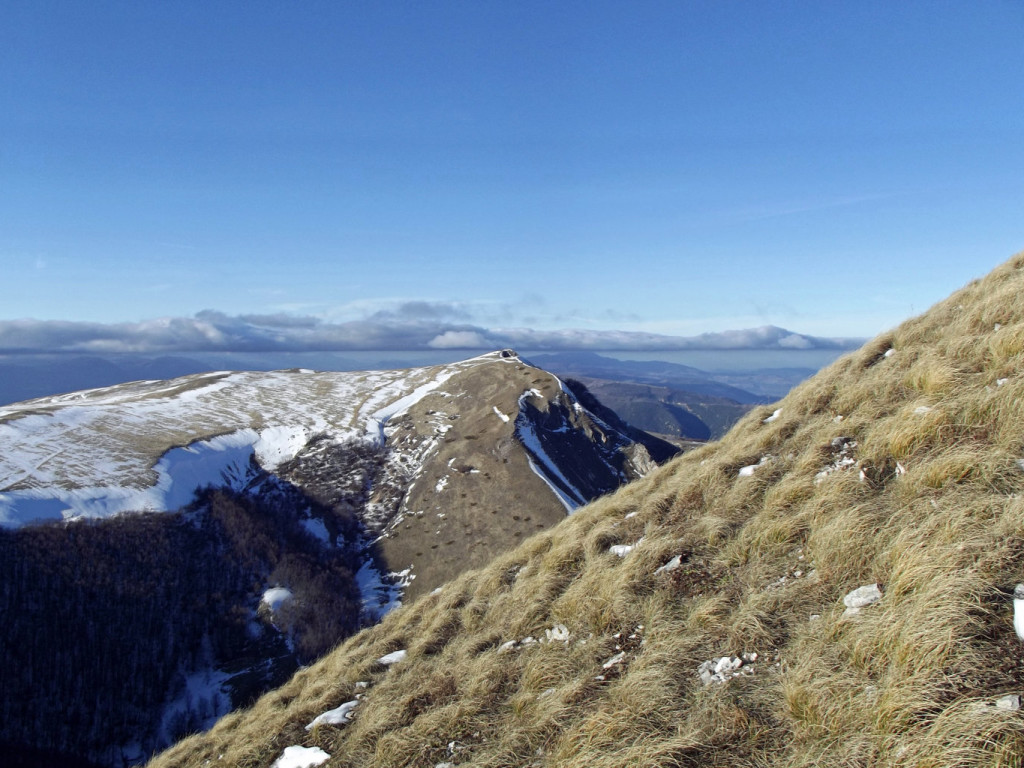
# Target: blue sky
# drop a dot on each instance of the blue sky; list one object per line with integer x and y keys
{"x": 668, "y": 168}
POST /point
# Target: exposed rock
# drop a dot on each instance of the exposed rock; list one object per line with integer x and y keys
{"x": 1010, "y": 702}
{"x": 671, "y": 565}
{"x": 861, "y": 597}
{"x": 392, "y": 658}
{"x": 725, "y": 668}
{"x": 558, "y": 633}
{"x": 1018, "y": 610}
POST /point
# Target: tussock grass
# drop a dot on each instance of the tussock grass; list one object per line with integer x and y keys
{"x": 931, "y": 508}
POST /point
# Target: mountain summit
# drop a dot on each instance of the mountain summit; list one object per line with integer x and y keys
{"x": 830, "y": 584}
{"x": 177, "y": 547}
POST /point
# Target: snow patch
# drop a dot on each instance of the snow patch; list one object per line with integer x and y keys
{"x": 225, "y": 460}
{"x": 381, "y": 592}
{"x": 614, "y": 660}
{"x": 501, "y": 415}
{"x": 623, "y": 549}
{"x": 375, "y": 424}
{"x": 202, "y": 701}
{"x": 301, "y": 757}
{"x": 275, "y": 597}
{"x": 277, "y": 445}
{"x": 722, "y": 669}
{"x": 316, "y": 528}
{"x": 748, "y": 471}
{"x": 338, "y": 716}
{"x": 393, "y": 658}
{"x": 671, "y": 565}
{"x": 542, "y": 464}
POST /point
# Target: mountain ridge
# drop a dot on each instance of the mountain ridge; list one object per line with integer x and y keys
{"x": 826, "y": 585}
{"x": 264, "y": 517}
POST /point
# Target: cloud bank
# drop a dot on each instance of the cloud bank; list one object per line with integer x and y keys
{"x": 416, "y": 329}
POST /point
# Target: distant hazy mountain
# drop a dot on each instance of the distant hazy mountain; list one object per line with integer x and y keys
{"x": 312, "y": 503}
{"x": 23, "y": 377}
{"x": 671, "y": 375}
{"x": 672, "y": 399}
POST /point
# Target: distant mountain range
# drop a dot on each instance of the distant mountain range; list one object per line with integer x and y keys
{"x": 674, "y": 400}
{"x": 678, "y": 401}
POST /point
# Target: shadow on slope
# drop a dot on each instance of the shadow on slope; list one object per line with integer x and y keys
{"x": 122, "y": 635}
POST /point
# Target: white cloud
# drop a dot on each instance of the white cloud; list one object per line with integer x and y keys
{"x": 459, "y": 340}
{"x": 412, "y": 328}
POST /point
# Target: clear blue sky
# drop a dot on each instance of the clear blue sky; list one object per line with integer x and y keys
{"x": 671, "y": 167}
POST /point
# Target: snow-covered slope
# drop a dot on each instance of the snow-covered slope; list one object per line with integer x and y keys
{"x": 147, "y": 446}
{"x": 451, "y": 433}
{"x": 391, "y": 483}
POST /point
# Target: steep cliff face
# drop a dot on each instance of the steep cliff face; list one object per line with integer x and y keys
{"x": 501, "y": 451}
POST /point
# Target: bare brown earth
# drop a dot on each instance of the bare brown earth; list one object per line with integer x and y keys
{"x": 489, "y": 498}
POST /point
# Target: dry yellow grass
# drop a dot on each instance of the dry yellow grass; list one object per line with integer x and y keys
{"x": 930, "y": 509}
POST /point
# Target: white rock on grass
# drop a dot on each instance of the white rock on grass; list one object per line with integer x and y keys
{"x": 748, "y": 471}
{"x": 861, "y": 597}
{"x": 671, "y": 565}
{"x": 558, "y": 633}
{"x": 773, "y": 417}
{"x": 393, "y": 658}
{"x": 301, "y": 757}
{"x": 338, "y": 716}
{"x": 1018, "y": 610}
{"x": 616, "y": 659}
{"x": 623, "y": 549}
{"x": 1010, "y": 702}
{"x": 722, "y": 669}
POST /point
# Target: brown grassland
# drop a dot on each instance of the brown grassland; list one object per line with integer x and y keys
{"x": 931, "y": 510}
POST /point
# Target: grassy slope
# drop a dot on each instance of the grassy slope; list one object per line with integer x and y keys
{"x": 899, "y": 684}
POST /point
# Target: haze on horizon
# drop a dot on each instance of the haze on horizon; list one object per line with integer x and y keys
{"x": 451, "y": 169}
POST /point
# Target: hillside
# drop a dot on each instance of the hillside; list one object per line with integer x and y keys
{"x": 828, "y": 585}
{"x": 665, "y": 411}
{"x": 451, "y": 437}
{"x": 171, "y": 549}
